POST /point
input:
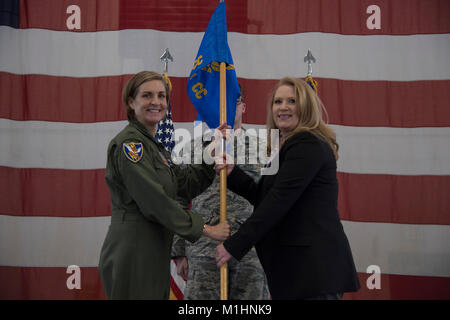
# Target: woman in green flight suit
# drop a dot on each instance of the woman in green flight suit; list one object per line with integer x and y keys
{"x": 143, "y": 183}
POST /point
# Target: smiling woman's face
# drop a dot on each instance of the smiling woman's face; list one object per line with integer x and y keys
{"x": 284, "y": 109}
{"x": 150, "y": 104}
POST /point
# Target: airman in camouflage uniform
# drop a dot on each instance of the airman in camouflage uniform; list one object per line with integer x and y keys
{"x": 246, "y": 279}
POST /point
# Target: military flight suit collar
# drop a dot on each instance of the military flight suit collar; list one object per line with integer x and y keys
{"x": 136, "y": 124}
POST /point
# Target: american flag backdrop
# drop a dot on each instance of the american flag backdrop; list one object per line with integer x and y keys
{"x": 383, "y": 70}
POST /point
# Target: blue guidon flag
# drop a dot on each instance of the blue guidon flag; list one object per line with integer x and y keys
{"x": 204, "y": 81}
{"x": 133, "y": 151}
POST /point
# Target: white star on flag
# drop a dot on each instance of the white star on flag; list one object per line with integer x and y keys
{"x": 165, "y": 131}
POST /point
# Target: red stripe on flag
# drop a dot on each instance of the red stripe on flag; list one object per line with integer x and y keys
{"x": 179, "y": 295}
{"x": 362, "y": 197}
{"x": 400, "y": 17}
{"x": 62, "y": 99}
{"x": 50, "y": 283}
{"x": 394, "y": 198}
{"x": 176, "y": 290}
{"x": 401, "y": 287}
{"x": 98, "y": 15}
{"x": 54, "y": 192}
{"x": 350, "y": 103}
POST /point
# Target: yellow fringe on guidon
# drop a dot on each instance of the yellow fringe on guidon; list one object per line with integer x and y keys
{"x": 313, "y": 83}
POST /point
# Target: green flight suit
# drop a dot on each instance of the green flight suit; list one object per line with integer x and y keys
{"x": 143, "y": 183}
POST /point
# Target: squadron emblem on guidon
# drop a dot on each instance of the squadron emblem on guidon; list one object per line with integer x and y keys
{"x": 133, "y": 151}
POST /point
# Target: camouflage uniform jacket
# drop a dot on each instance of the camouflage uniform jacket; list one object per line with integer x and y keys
{"x": 207, "y": 204}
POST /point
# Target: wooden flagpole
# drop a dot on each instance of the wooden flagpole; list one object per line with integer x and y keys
{"x": 223, "y": 178}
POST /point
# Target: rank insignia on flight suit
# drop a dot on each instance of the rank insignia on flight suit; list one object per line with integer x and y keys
{"x": 133, "y": 151}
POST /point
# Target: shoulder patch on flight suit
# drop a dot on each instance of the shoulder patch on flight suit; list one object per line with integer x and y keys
{"x": 133, "y": 151}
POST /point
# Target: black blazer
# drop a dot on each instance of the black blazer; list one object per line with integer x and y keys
{"x": 295, "y": 225}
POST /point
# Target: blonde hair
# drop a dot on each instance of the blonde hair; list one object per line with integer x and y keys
{"x": 132, "y": 86}
{"x": 310, "y": 111}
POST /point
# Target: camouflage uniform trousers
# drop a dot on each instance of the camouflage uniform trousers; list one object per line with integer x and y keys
{"x": 246, "y": 279}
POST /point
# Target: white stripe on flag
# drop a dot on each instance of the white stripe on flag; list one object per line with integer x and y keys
{"x": 373, "y": 150}
{"x": 181, "y": 284}
{"x": 400, "y": 248}
{"x": 421, "y": 250}
{"x": 51, "y": 242}
{"x": 56, "y": 145}
{"x": 346, "y": 57}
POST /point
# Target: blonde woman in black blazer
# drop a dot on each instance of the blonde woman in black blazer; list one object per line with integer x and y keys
{"x": 295, "y": 225}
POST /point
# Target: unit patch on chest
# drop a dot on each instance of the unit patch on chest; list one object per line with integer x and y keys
{"x": 133, "y": 151}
